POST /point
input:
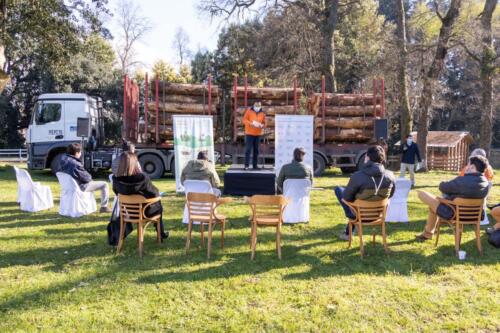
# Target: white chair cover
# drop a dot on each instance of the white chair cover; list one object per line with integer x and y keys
{"x": 485, "y": 220}
{"x": 74, "y": 202}
{"x": 115, "y": 201}
{"x": 297, "y": 192}
{"x": 197, "y": 186}
{"x": 33, "y": 197}
{"x": 397, "y": 211}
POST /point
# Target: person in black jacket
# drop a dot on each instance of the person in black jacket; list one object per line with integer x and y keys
{"x": 130, "y": 180}
{"x": 409, "y": 150}
{"x": 372, "y": 183}
{"x": 473, "y": 185}
{"x": 71, "y": 165}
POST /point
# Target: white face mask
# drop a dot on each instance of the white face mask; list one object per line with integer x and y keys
{"x": 256, "y": 109}
{"x": 409, "y": 141}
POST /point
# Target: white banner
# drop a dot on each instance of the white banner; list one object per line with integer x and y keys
{"x": 192, "y": 134}
{"x": 292, "y": 132}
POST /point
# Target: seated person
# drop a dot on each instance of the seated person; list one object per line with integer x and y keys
{"x": 71, "y": 165}
{"x": 488, "y": 172}
{"x": 473, "y": 185}
{"x": 126, "y": 146}
{"x": 495, "y": 212}
{"x": 297, "y": 169}
{"x": 201, "y": 169}
{"x": 371, "y": 183}
{"x": 130, "y": 180}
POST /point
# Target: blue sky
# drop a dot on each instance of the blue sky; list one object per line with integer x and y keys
{"x": 166, "y": 16}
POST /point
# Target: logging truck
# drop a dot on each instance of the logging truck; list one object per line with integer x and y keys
{"x": 345, "y": 123}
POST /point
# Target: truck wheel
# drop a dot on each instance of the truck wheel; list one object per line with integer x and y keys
{"x": 172, "y": 167}
{"x": 152, "y": 165}
{"x": 319, "y": 164}
{"x": 56, "y": 161}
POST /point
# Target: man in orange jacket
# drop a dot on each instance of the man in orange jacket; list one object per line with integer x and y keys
{"x": 254, "y": 121}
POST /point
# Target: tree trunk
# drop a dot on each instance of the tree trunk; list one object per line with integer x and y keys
{"x": 404, "y": 103}
{"x": 328, "y": 47}
{"x": 487, "y": 69}
{"x": 431, "y": 76}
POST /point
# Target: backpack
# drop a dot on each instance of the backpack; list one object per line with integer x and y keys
{"x": 114, "y": 227}
{"x": 494, "y": 238}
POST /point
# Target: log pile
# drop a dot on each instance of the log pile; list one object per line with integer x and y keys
{"x": 274, "y": 101}
{"x": 179, "y": 99}
{"x": 348, "y": 117}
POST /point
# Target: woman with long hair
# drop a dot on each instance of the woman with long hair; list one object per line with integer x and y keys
{"x": 130, "y": 180}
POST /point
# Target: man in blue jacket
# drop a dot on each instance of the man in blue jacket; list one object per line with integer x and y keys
{"x": 409, "y": 150}
{"x": 473, "y": 185}
{"x": 72, "y": 165}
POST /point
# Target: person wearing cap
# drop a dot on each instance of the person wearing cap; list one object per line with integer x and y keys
{"x": 297, "y": 169}
{"x": 254, "y": 121}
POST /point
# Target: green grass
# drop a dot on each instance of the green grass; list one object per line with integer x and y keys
{"x": 59, "y": 274}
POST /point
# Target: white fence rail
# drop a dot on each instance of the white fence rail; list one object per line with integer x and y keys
{"x": 13, "y": 155}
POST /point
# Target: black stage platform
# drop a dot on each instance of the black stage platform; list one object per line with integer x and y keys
{"x": 238, "y": 181}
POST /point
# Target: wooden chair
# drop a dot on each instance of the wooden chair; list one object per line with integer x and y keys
{"x": 368, "y": 213}
{"x": 202, "y": 208}
{"x": 267, "y": 211}
{"x": 466, "y": 212}
{"x": 132, "y": 210}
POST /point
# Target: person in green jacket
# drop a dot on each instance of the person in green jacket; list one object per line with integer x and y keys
{"x": 201, "y": 169}
{"x": 297, "y": 169}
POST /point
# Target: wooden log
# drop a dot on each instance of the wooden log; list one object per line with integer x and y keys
{"x": 183, "y": 89}
{"x": 186, "y": 99}
{"x": 267, "y": 93}
{"x": 355, "y": 122}
{"x": 180, "y": 108}
{"x": 315, "y": 100}
{"x": 264, "y": 102}
{"x": 272, "y": 110}
{"x": 347, "y": 111}
{"x": 345, "y": 135}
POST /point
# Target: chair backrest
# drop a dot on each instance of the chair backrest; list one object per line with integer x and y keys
{"x": 403, "y": 187}
{"x": 370, "y": 211}
{"x": 267, "y": 206}
{"x": 16, "y": 170}
{"x": 197, "y": 186}
{"x": 201, "y": 204}
{"x": 111, "y": 178}
{"x": 468, "y": 211}
{"x": 296, "y": 188}
{"x": 24, "y": 179}
{"x": 131, "y": 207}
{"x": 67, "y": 182}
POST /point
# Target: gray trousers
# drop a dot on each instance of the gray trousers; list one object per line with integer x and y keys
{"x": 411, "y": 169}
{"x": 94, "y": 186}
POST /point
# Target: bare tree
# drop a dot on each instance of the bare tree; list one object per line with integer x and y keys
{"x": 133, "y": 28}
{"x": 403, "y": 100}
{"x": 432, "y": 74}
{"x": 324, "y": 14}
{"x": 181, "y": 45}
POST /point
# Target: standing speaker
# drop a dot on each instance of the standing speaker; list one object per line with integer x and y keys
{"x": 381, "y": 129}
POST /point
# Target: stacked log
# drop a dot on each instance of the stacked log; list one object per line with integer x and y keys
{"x": 274, "y": 101}
{"x": 179, "y": 99}
{"x": 348, "y": 117}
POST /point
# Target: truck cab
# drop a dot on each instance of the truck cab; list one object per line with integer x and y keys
{"x": 53, "y": 127}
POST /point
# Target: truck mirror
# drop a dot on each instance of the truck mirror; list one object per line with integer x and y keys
{"x": 82, "y": 127}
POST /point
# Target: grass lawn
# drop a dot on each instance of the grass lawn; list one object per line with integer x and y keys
{"x": 59, "y": 274}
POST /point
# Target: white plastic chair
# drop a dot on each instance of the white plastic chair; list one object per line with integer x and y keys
{"x": 397, "y": 211}
{"x": 74, "y": 202}
{"x": 196, "y": 186}
{"x": 33, "y": 197}
{"x": 297, "y": 192}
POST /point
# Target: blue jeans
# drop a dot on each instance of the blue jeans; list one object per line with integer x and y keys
{"x": 252, "y": 145}
{"x": 339, "y": 193}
